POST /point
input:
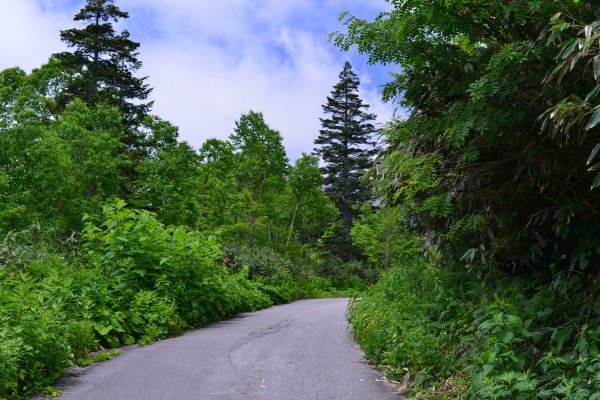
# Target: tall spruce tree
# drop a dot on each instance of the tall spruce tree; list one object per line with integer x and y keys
{"x": 103, "y": 64}
{"x": 347, "y": 148}
{"x": 102, "y": 68}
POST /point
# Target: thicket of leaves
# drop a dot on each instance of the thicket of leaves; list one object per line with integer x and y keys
{"x": 446, "y": 333}
{"x": 135, "y": 275}
{"x": 496, "y": 156}
{"x": 127, "y": 279}
{"x": 495, "y": 165}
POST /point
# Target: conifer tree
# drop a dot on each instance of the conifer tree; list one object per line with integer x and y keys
{"x": 102, "y": 67}
{"x": 104, "y": 63}
{"x": 347, "y": 148}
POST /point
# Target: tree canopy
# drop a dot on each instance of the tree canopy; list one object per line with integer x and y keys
{"x": 104, "y": 62}
{"x": 501, "y": 126}
{"x": 494, "y": 170}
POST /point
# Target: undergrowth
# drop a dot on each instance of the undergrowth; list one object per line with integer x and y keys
{"x": 102, "y": 356}
{"x": 127, "y": 279}
{"x": 454, "y": 333}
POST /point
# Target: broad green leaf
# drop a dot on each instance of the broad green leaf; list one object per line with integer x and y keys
{"x": 593, "y": 153}
{"x": 596, "y": 182}
{"x": 596, "y": 66}
{"x": 103, "y": 329}
{"x": 507, "y": 336}
{"x": 595, "y": 119}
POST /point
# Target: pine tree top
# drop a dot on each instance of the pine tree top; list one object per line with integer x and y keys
{"x": 104, "y": 62}
{"x": 102, "y": 10}
{"x": 347, "y": 123}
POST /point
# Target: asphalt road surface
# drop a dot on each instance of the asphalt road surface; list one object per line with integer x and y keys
{"x": 299, "y": 351}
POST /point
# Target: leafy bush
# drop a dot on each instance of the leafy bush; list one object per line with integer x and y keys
{"x": 413, "y": 321}
{"x": 40, "y": 336}
{"x": 141, "y": 254}
{"x": 452, "y": 334}
{"x": 265, "y": 262}
{"x": 127, "y": 279}
{"x": 351, "y": 274}
{"x": 538, "y": 346}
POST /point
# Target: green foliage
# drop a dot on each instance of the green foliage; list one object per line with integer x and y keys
{"x": 257, "y": 180}
{"x": 127, "y": 276}
{"x": 538, "y": 346}
{"x": 42, "y": 329}
{"x": 414, "y": 320}
{"x": 445, "y": 332}
{"x": 128, "y": 279}
{"x": 265, "y": 262}
{"x": 379, "y": 234}
{"x": 495, "y": 168}
{"x": 348, "y": 275}
{"x": 254, "y": 201}
{"x": 169, "y": 183}
{"x": 260, "y": 154}
{"x": 165, "y": 270}
{"x": 77, "y": 164}
{"x": 103, "y": 64}
{"x": 50, "y": 392}
{"x": 75, "y": 136}
{"x": 501, "y": 126}
{"x": 313, "y": 210}
{"x": 54, "y": 169}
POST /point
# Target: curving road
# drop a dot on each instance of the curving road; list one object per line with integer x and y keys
{"x": 299, "y": 351}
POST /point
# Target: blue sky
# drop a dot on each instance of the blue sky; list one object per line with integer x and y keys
{"x": 210, "y": 61}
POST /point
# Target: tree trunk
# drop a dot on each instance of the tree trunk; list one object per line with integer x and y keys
{"x": 347, "y": 217}
{"x": 287, "y": 244}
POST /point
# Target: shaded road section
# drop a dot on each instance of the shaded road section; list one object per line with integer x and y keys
{"x": 299, "y": 351}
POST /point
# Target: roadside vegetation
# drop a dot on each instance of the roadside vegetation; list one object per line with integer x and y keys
{"x": 494, "y": 172}
{"x": 127, "y": 279}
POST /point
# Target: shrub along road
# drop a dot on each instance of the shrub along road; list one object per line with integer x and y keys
{"x": 298, "y": 351}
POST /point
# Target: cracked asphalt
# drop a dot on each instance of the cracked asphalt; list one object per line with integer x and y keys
{"x": 300, "y": 351}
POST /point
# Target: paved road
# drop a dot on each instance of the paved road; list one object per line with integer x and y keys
{"x": 299, "y": 351}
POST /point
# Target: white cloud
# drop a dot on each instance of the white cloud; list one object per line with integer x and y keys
{"x": 209, "y": 62}
{"x": 29, "y": 33}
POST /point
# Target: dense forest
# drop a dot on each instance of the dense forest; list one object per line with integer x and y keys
{"x": 469, "y": 238}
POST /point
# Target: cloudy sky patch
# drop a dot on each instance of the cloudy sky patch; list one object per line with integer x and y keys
{"x": 210, "y": 61}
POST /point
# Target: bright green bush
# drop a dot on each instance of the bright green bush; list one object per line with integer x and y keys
{"x": 455, "y": 333}
{"x": 139, "y": 252}
{"x": 541, "y": 345}
{"x": 128, "y": 279}
{"x": 39, "y": 335}
{"x": 413, "y": 322}
{"x": 265, "y": 262}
